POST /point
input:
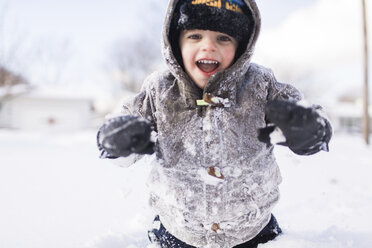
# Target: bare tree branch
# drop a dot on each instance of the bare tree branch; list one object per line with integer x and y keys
{"x": 135, "y": 59}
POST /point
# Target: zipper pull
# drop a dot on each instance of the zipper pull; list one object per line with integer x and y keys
{"x": 210, "y": 100}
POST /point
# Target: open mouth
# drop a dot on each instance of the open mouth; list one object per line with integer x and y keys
{"x": 207, "y": 66}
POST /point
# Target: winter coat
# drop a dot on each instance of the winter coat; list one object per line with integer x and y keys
{"x": 214, "y": 184}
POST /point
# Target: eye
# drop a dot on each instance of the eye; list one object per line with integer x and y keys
{"x": 194, "y": 36}
{"x": 224, "y": 38}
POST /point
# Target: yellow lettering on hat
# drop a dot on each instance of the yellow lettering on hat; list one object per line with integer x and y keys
{"x": 233, "y": 7}
{"x": 215, "y": 3}
{"x": 212, "y": 3}
{"x": 200, "y": 1}
{"x": 218, "y": 4}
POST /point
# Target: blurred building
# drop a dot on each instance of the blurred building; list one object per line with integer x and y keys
{"x": 36, "y": 110}
{"x": 347, "y": 115}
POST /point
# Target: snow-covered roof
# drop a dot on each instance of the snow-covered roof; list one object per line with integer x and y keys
{"x": 57, "y": 93}
{"x": 18, "y": 89}
{"x": 348, "y": 109}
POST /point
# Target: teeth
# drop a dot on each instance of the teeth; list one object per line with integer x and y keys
{"x": 204, "y": 61}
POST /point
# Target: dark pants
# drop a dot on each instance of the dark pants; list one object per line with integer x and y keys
{"x": 167, "y": 240}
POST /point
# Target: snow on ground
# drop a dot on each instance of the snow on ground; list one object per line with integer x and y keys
{"x": 56, "y": 192}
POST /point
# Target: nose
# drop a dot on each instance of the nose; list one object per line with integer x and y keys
{"x": 208, "y": 45}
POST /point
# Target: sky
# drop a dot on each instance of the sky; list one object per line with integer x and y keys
{"x": 69, "y": 42}
{"x": 324, "y": 40}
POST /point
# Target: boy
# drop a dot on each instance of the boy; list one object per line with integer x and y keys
{"x": 214, "y": 115}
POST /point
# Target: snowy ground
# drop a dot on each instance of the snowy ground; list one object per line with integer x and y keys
{"x": 55, "y": 192}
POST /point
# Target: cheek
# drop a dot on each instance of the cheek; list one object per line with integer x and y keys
{"x": 229, "y": 54}
{"x": 187, "y": 55}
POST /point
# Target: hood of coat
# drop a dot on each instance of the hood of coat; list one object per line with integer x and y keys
{"x": 221, "y": 84}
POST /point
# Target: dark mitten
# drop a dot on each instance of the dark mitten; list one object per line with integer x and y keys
{"x": 305, "y": 131}
{"x": 123, "y": 135}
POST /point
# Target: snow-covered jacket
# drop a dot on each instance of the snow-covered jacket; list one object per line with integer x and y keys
{"x": 214, "y": 184}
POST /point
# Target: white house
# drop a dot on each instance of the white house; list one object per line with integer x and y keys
{"x": 346, "y": 116}
{"x": 37, "y": 110}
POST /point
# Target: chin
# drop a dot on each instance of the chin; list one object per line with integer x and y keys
{"x": 201, "y": 83}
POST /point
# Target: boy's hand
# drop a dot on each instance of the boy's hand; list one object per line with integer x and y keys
{"x": 305, "y": 131}
{"x": 121, "y": 136}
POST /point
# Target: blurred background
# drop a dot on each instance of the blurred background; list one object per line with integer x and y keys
{"x": 66, "y": 65}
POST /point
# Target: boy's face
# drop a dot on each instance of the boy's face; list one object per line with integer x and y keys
{"x": 206, "y": 52}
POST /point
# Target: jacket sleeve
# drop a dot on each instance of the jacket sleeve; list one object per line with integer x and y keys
{"x": 140, "y": 105}
{"x": 143, "y": 103}
{"x": 282, "y": 91}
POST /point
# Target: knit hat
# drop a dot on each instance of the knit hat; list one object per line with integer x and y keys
{"x": 231, "y": 17}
